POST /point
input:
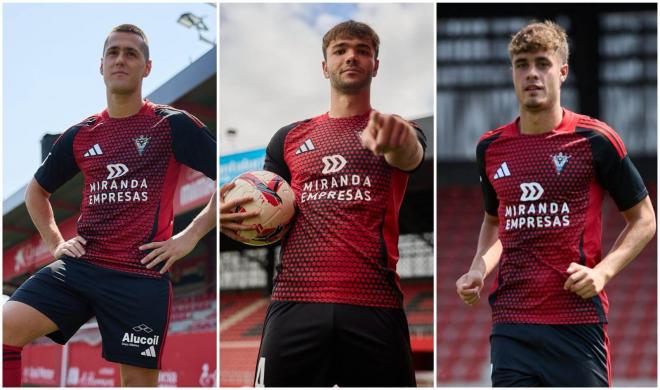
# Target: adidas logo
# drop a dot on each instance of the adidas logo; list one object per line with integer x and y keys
{"x": 150, "y": 352}
{"x": 93, "y": 151}
{"x": 305, "y": 147}
{"x": 502, "y": 171}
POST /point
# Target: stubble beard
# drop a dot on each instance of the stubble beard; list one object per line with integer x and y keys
{"x": 349, "y": 87}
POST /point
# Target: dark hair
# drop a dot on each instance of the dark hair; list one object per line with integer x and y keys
{"x": 131, "y": 28}
{"x": 352, "y": 29}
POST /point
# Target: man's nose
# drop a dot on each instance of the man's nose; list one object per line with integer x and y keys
{"x": 120, "y": 57}
{"x": 350, "y": 56}
{"x": 532, "y": 73}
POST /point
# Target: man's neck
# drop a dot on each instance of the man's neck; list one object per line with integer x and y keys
{"x": 343, "y": 105}
{"x": 122, "y": 106}
{"x": 538, "y": 122}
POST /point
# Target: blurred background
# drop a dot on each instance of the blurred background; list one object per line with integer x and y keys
{"x": 612, "y": 77}
{"x": 51, "y": 81}
{"x": 270, "y": 76}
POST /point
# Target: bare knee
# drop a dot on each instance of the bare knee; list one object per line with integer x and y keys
{"x": 132, "y": 376}
{"x": 22, "y": 323}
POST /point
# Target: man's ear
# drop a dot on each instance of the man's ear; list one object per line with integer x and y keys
{"x": 324, "y": 66}
{"x": 147, "y": 69}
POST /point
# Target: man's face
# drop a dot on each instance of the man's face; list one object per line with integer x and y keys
{"x": 537, "y": 79}
{"x": 123, "y": 64}
{"x": 350, "y": 64}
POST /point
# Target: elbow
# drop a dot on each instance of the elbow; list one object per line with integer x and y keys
{"x": 651, "y": 226}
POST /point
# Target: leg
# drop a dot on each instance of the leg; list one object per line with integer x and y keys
{"x": 515, "y": 357}
{"x": 44, "y": 305}
{"x": 372, "y": 348}
{"x": 132, "y": 312}
{"x": 133, "y": 376}
{"x": 579, "y": 356}
{"x": 22, "y": 323}
{"x": 295, "y": 346}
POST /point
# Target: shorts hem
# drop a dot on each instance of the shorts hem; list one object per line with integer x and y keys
{"x": 131, "y": 362}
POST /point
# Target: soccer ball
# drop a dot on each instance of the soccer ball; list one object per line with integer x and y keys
{"x": 273, "y": 198}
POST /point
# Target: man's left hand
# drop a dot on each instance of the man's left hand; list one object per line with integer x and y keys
{"x": 168, "y": 251}
{"x": 584, "y": 281}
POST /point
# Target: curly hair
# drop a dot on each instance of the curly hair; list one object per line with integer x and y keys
{"x": 546, "y": 36}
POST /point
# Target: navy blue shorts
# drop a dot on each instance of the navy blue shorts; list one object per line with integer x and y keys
{"x": 528, "y": 355}
{"x": 132, "y": 311}
{"x": 325, "y": 344}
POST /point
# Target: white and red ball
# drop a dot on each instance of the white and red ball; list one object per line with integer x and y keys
{"x": 272, "y": 197}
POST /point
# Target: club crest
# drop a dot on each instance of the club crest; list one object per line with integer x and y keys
{"x": 141, "y": 143}
{"x": 560, "y": 160}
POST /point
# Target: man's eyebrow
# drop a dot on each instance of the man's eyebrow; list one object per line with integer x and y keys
{"x": 118, "y": 47}
{"x": 344, "y": 44}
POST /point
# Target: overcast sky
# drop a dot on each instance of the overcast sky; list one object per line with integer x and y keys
{"x": 51, "y": 56}
{"x": 270, "y": 64}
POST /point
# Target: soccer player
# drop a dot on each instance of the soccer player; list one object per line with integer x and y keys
{"x": 116, "y": 267}
{"x": 336, "y": 316}
{"x": 543, "y": 178}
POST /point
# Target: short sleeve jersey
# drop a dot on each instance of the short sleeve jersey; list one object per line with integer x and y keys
{"x": 342, "y": 247}
{"x": 131, "y": 168}
{"x": 547, "y": 190}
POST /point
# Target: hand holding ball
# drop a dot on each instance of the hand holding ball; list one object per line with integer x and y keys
{"x": 269, "y": 212}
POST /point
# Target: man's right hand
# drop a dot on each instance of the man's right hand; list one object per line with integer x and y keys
{"x": 230, "y": 221}
{"x": 469, "y": 286}
{"x": 75, "y": 247}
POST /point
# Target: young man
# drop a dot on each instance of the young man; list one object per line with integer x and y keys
{"x": 543, "y": 177}
{"x": 336, "y": 316}
{"x": 116, "y": 267}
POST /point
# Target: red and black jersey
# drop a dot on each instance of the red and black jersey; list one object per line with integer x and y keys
{"x": 342, "y": 247}
{"x": 131, "y": 168}
{"x": 547, "y": 190}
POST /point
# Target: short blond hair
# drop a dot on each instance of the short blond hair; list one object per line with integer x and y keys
{"x": 546, "y": 36}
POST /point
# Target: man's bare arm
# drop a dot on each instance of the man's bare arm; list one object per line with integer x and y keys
{"x": 37, "y": 201}
{"x": 489, "y": 250}
{"x": 184, "y": 242}
{"x": 640, "y": 228}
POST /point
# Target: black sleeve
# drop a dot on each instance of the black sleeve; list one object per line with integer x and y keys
{"x": 275, "y": 153}
{"x": 422, "y": 140}
{"x": 616, "y": 174}
{"x": 194, "y": 145}
{"x": 491, "y": 203}
{"x": 60, "y": 164}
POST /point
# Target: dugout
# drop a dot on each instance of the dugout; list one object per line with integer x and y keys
{"x": 612, "y": 77}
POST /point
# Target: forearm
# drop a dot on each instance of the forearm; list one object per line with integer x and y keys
{"x": 407, "y": 157}
{"x": 634, "y": 237}
{"x": 41, "y": 212}
{"x": 489, "y": 247}
{"x": 204, "y": 222}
